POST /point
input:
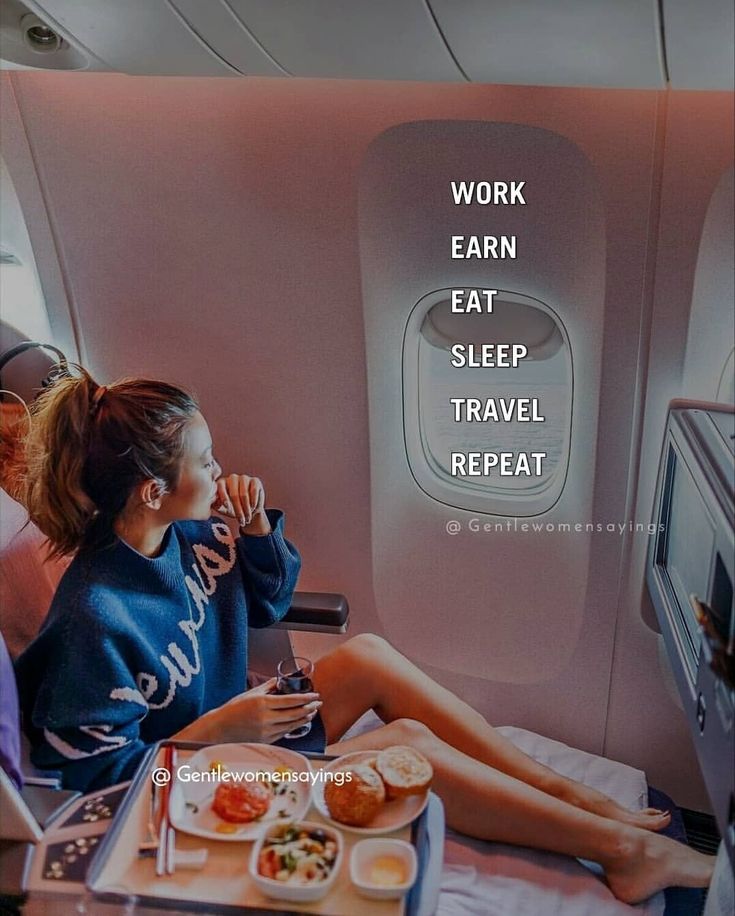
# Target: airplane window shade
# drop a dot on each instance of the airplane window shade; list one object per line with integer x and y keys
{"x": 23, "y": 303}
{"x": 442, "y": 427}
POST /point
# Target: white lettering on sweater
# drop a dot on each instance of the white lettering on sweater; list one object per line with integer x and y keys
{"x": 181, "y": 669}
{"x": 97, "y": 733}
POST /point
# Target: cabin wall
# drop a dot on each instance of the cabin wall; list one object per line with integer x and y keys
{"x": 210, "y": 232}
{"x": 692, "y": 299}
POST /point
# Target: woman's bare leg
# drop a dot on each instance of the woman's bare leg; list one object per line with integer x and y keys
{"x": 367, "y": 673}
{"x": 484, "y": 803}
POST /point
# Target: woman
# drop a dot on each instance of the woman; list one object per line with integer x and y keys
{"x": 146, "y": 638}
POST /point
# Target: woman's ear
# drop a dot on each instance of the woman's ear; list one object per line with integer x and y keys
{"x": 151, "y": 492}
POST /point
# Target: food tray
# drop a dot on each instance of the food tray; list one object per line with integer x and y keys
{"x": 118, "y": 874}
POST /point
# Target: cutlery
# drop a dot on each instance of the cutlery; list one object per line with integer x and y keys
{"x": 161, "y": 840}
{"x": 166, "y": 836}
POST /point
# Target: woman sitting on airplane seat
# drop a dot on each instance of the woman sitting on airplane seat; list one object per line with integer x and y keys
{"x": 147, "y": 638}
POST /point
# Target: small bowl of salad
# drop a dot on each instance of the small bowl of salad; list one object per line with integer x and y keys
{"x": 297, "y": 861}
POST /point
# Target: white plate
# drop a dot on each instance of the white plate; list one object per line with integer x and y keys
{"x": 392, "y": 816}
{"x": 190, "y": 805}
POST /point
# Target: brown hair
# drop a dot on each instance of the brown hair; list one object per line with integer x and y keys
{"x": 90, "y": 445}
{"x": 13, "y": 431}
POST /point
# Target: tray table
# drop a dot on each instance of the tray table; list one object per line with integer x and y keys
{"x": 118, "y": 874}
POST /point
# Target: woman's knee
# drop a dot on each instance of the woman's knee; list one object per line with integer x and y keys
{"x": 368, "y": 647}
{"x": 413, "y": 733}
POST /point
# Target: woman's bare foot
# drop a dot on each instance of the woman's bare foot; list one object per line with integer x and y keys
{"x": 647, "y": 819}
{"x": 596, "y": 803}
{"x": 645, "y": 863}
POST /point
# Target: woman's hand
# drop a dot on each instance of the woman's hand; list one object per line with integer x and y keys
{"x": 255, "y": 715}
{"x": 243, "y": 498}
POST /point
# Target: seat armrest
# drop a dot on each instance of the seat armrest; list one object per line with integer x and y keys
{"x": 317, "y": 611}
{"x": 46, "y": 782}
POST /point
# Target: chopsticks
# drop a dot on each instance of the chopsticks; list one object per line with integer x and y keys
{"x": 161, "y": 841}
{"x": 166, "y": 853}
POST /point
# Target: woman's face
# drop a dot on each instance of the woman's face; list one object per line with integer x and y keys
{"x": 193, "y": 495}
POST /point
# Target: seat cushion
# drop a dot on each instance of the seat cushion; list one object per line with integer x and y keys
{"x": 27, "y": 580}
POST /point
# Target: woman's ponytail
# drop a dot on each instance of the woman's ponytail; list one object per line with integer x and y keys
{"x": 89, "y": 445}
{"x": 56, "y": 451}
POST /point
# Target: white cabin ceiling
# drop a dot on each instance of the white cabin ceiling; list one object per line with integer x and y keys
{"x": 644, "y": 44}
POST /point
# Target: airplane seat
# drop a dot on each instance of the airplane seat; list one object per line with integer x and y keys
{"x": 27, "y": 579}
{"x": 27, "y": 585}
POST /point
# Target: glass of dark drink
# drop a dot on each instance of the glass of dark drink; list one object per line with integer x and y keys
{"x": 294, "y": 676}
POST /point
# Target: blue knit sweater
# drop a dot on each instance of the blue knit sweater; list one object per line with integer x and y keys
{"x": 134, "y": 649}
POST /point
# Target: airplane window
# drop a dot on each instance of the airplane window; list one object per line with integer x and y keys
{"x": 515, "y": 408}
{"x": 23, "y": 304}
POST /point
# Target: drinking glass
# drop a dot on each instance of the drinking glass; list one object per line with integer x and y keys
{"x": 294, "y": 676}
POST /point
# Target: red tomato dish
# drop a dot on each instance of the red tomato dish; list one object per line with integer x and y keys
{"x": 241, "y": 804}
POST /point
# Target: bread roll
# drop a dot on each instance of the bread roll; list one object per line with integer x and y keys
{"x": 404, "y": 771}
{"x": 358, "y": 800}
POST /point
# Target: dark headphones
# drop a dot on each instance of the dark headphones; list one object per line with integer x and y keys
{"x": 60, "y": 370}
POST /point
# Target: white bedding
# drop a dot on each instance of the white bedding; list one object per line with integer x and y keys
{"x": 493, "y": 879}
